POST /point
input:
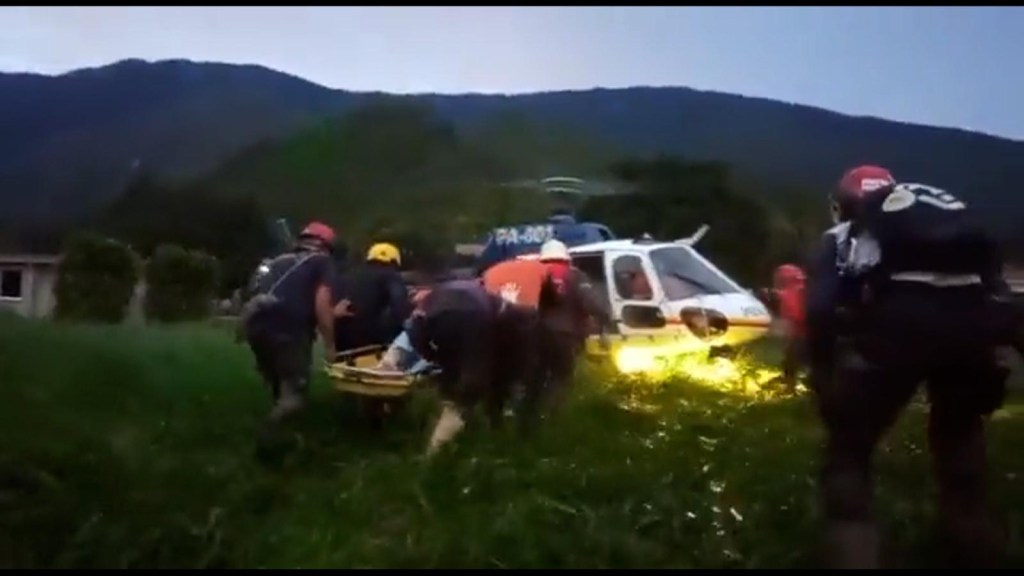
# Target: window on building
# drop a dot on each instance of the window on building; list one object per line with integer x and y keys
{"x": 10, "y": 284}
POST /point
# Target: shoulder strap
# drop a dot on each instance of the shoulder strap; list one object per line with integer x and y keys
{"x": 288, "y": 272}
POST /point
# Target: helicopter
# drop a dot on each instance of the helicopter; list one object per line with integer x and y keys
{"x": 667, "y": 299}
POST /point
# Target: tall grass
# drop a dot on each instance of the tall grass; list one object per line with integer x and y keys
{"x": 137, "y": 447}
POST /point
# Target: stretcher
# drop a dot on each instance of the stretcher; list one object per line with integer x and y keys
{"x": 352, "y": 373}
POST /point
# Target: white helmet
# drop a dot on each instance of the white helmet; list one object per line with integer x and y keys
{"x": 554, "y": 250}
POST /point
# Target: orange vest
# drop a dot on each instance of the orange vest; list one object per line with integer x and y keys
{"x": 517, "y": 281}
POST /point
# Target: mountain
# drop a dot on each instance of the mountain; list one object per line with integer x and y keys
{"x": 70, "y": 143}
{"x": 776, "y": 143}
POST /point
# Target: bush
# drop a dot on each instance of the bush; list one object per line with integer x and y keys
{"x": 180, "y": 284}
{"x": 97, "y": 280}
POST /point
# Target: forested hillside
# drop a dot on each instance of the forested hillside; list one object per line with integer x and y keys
{"x": 397, "y": 170}
{"x": 70, "y": 143}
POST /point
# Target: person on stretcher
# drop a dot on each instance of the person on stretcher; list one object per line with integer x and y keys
{"x": 401, "y": 356}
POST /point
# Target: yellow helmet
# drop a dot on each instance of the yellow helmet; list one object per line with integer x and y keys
{"x": 384, "y": 252}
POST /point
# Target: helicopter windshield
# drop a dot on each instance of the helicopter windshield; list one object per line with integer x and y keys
{"x": 683, "y": 275}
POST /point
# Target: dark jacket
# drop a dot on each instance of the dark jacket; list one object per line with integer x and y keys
{"x": 379, "y": 303}
{"x": 461, "y": 295}
{"x": 568, "y": 310}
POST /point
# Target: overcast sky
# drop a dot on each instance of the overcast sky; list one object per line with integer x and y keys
{"x": 960, "y": 67}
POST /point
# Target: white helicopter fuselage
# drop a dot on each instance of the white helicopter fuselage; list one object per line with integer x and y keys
{"x": 674, "y": 290}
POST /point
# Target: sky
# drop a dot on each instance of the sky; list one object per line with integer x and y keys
{"x": 960, "y": 67}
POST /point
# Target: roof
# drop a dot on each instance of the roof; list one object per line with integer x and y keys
{"x": 43, "y": 259}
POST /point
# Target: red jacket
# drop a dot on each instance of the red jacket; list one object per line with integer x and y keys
{"x": 789, "y": 290}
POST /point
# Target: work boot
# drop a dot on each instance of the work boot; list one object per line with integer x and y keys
{"x": 852, "y": 545}
{"x": 448, "y": 425}
{"x": 291, "y": 400}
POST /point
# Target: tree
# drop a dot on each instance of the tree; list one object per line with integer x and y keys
{"x": 180, "y": 284}
{"x": 97, "y": 280}
{"x": 233, "y": 229}
{"x": 671, "y": 198}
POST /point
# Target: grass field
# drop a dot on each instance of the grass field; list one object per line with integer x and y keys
{"x": 135, "y": 447}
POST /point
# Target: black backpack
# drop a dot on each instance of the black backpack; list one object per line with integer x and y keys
{"x": 925, "y": 229}
{"x": 262, "y": 286}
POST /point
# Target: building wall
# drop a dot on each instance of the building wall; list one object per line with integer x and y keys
{"x": 1014, "y": 277}
{"x": 38, "y": 298}
{"x": 37, "y": 284}
{"x": 44, "y": 282}
{"x": 19, "y": 306}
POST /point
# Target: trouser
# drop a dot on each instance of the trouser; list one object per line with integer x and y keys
{"x": 461, "y": 344}
{"x": 909, "y": 337}
{"x": 792, "y": 359}
{"x": 284, "y": 364}
{"x": 480, "y": 358}
{"x": 558, "y": 352}
{"x": 520, "y": 361}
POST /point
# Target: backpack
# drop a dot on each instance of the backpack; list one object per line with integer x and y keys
{"x": 263, "y": 285}
{"x": 921, "y": 228}
{"x": 516, "y": 281}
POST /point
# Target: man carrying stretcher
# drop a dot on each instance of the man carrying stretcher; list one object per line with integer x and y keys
{"x": 487, "y": 335}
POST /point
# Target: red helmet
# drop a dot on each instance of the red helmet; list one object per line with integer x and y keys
{"x": 855, "y": 185}
{"x": 320, "y": 231}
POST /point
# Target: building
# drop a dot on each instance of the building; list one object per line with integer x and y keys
{"x": 27, "y": 283}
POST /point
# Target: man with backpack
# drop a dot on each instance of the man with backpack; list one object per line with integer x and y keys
{"x": 902, "y": 292}
{"x": 291, "y": 301}
{"x": 568, "y": 306}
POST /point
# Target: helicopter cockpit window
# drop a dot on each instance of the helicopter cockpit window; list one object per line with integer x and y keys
{"x": 631, "y": 282}
{"x": 684, "y": 276}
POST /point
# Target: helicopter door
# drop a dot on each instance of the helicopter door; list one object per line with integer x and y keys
{"x": 592, "y": 266}
{"x": 634, "y": 293}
